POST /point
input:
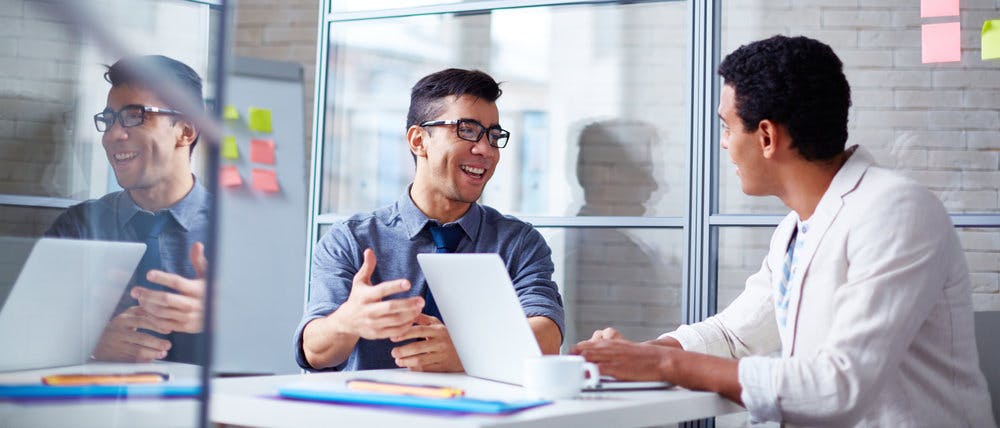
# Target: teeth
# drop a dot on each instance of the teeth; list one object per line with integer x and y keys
{"x": 473, "y": 170}
{"x": 125, "y": 156}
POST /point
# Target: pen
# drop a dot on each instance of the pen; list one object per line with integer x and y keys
{"x": 103, "y": 379}
{"x": 404, "y": 389}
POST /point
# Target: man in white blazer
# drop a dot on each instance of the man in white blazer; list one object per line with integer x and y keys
{"x": 861, "y": 313}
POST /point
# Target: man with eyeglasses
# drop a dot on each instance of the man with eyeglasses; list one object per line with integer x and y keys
{"x": 149, "y": 146}
{"x": 364, "y": 314}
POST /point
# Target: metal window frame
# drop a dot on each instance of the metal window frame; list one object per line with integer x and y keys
{"x": 702, "y": 220}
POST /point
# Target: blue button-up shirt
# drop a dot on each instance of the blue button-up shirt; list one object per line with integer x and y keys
{"x": 397, "y": 233}
{"x": 108, "y": 219}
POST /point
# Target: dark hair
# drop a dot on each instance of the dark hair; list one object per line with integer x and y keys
{"x": 794, "y": 81}
{"x": 425, "y": 98}
{"x": 143, "y": 70}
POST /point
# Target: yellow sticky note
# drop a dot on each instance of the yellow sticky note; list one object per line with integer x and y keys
{"x": 991, "y": 39}
{"x": 260, "y": 119}
{"x": 230, "y": 113}
{"x": 229, "y": 148}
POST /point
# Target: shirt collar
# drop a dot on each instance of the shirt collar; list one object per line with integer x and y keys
{"x": 185, "y": 211}
{"x": 415, "y": 220}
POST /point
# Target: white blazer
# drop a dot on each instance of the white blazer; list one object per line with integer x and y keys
{"x": 879, "y": 328}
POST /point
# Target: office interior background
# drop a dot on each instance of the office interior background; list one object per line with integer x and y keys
{"x": 614, "y": 152}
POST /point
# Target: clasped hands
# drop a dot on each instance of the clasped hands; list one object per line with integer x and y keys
{"x": 371, "y": 317}
{"x": 164, "y": 312}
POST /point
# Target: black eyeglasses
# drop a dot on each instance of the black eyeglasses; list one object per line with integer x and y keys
{"x": 129, "y": 116}
{"x": 472, "y": 130}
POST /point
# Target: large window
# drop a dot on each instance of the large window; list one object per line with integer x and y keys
{"x": 595, "y": 98}
{"x": 615, "y": 148}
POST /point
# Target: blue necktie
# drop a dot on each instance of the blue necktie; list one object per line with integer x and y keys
{"x": 147, "y": 228}
{"x": 781, "y": 303}
{"x": 446, "y": 239}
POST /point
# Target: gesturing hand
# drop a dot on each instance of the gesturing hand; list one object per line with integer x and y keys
{"x": 365, "y": 312}
{"x": 183, "y": 311}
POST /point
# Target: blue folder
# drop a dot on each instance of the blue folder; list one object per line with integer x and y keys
{"x": 39, "y": 391}
{"x": 458, "y": 404}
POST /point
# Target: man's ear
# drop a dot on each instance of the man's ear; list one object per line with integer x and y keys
{"x": 187, "y": 133}
{"x": 416, "y": 138}
{"x": 767, "y": 138}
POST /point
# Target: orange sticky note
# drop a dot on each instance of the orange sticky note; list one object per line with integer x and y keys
{"x": 941, "y": 42}
{"x": 229, "y": 176}
{"x": 264, "y": 180}
{"x": 262, "y": 151}
{"x": 935, "y": 8}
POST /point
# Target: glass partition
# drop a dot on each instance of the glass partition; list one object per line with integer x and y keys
{"x": 629, "y": 279}
{"x": 594, "y": 97}
{"x": 81, "y": 320}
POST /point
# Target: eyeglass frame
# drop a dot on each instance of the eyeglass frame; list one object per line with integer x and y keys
{"x": 116, "y": 116}
{"x": 483, "y": 129}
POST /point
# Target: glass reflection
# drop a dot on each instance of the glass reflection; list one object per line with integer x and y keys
{"x": 608, "y": 80}
{"x": 101, "y": 293}
{"x": 629, "y": 279}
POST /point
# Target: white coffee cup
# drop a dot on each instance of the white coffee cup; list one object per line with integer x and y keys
{"x": 551, "y": 377}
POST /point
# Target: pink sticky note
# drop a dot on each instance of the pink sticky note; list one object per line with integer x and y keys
{"x": 262, "y": 151}
{"x": 941, "y": 42}
{"x": 935, "y": 8}
{"x": 229, "y": 176}
{"x": 264, "y": 180}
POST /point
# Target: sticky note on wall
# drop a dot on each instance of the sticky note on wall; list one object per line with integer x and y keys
{"x": 935, "y": 8}
{"x": 941, "y": 42}
{"x": 262, "y": 151}
{"x": 264, "y": 180}
{"x": 229, "y": 177}
{"x": 991, "y": 39}
{"x": 260, "y": 119}
{"x": 230, "y": 113}
{"x": 229, "y": 148}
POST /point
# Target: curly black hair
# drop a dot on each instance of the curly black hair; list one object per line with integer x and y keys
{"x": 794, "y": 81}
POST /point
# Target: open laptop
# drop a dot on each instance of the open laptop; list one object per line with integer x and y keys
{"x": 485, "y": 320}
{"x": 61, "y": 301}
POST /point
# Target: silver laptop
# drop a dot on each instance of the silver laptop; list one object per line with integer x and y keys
{"x": 485, "y": 320}
{"x": 61, "y": 301}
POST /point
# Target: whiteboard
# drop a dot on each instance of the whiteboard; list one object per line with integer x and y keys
{"x": 262, "y": 236}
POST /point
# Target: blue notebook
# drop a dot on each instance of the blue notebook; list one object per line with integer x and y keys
{"x": 460, "y": 404}
{"x": 39, "y": 391}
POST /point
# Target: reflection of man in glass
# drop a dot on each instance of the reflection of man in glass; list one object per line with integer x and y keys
{"x": 149, "y": 145}
{"x": 365, "y": 316}
{"x": 865, "y": 291}
{"x": 615, "y": 170}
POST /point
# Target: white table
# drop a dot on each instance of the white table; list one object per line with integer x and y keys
{"x": 252, "y": 401}
{"x": 102, "y": 413}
